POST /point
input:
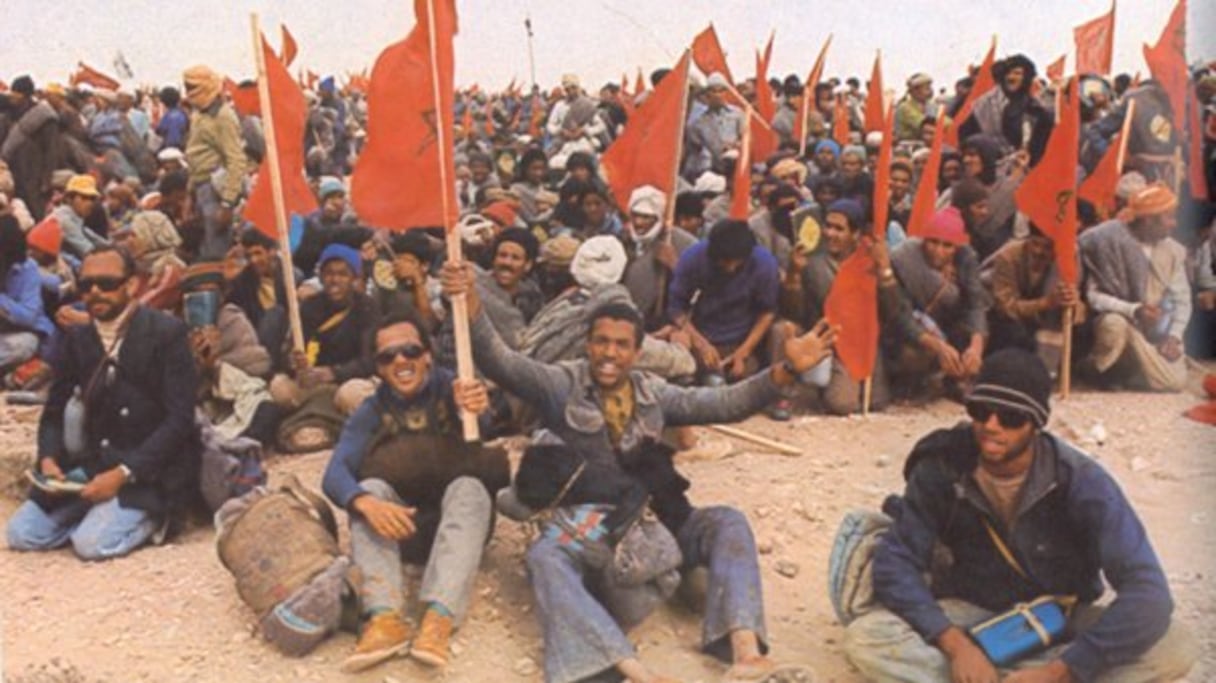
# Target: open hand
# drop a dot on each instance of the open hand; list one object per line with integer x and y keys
{"x": 388, "y": 519}
{"x": 810, "y": 349}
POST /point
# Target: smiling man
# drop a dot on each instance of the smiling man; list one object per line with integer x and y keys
{"x": 133, "y": 371}
{"x": 1024, "y": 514}
{"x": 611, "y": 414}
{"x": 421, "y": 500}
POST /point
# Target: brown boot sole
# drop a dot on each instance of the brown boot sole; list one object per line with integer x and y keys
{"x": 429, "y": 657}
{"x": 366, "y": 660}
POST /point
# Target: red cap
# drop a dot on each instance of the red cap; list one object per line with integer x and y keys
{"x": 947, "y": 225}
{"x": 46, "y": 237}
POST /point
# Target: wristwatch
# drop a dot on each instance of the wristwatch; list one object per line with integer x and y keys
{"x": 127, "y": 474}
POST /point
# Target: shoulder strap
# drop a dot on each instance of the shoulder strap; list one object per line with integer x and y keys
{"x": 1004, "y": 551}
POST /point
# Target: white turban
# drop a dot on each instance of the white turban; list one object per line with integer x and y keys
{"x": 648, "y": 200}
{"x": 598, "y": 261}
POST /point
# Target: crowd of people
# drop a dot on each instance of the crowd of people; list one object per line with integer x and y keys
{"x": 157, "y": 327}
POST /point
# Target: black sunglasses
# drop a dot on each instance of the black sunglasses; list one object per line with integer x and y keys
{"x": 410, "y": 351}
{"x": 105, "y": 284}
{"x": 1009, "y": 418}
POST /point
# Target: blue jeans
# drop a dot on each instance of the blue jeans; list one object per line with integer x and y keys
{"x": 583, "y": 639}
{"x": 97, "y": 532}
{"x": 16, "y": 348}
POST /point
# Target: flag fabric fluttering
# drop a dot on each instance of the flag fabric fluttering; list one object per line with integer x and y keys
{"x": 763, "y": 137}
{"x": 984, "y": 82}
{"x": 1098, "y": 188}
{"x": 707, "y": 54}
{"x": 1048, "y": 194}
{"x": 639, "y": 85}
{"x": 1095, "y": 44}
{"x": 1055, "y": 70}
{"x": 806, "y": 103}
{"x": 840, "y": 121}
{"x": 852, "y": 303}
{"x": 245, "y": 99}
{"x": 87, "y": 74}
{"x": 925, "y": 201}
{"x": 875, "y": 117}
{"x": 409, "y": 123}
{"x": 647, "y": 152}
{"x": 290, "y": 47}
{"x": 881, "y": 209}
{"x": 290, "y": 113}
{"x": 1167, "y": 60}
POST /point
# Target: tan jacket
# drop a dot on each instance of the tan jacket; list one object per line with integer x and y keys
{"x": 215, "y": 142}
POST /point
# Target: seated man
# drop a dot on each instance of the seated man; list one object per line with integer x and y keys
{"x": 133, "y": 372}
{"x": 79, "y": 202}
{"x": 410, "y": 288}
{"x": 260, "y": 291}
{"x": 945, "y": 325}
{"x": 724, "y": 296}
{"x": 653, "y": 250}
{"x": 339, "y": 329}
{"x": 608, "y": 412}
{"x": 1028, "y": 297}
{"x": 421, "y": 511}
{"x": 1024, "y": 514}
{"x": 24, "y": 325}
{"x": 1137, "y": 286}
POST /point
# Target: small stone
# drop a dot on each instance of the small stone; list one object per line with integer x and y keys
{"x": 1139, "y": 464}
{"x": 1099, "y": 434}
{"x": 882, "y": 461}
{"x": 525, "y": 667}
{"x": 764, "y": 547}
{"x": 787, "y": 568}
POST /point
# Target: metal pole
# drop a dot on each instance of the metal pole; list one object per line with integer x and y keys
{"x": 531, "y": 56}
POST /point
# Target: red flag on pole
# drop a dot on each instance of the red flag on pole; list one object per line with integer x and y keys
{"x": 1167, "y": 61}
{"x": 875, "y": 118}
{"x": 983, "y": 83}
{"x": 290, "y": 112}
{"x": 87, "y": 74}
{"x": 881, "y": 209}
{"x": 1098, "y": 188}
{"x": 3, "y": 86}
{"x": 741, "y": 190}
{"x": 639, "y": 85}
{"x": 290, "y": 47}
{"x": 925, "y": 201}
{"x": 807, "y": 101}
{"x": 1055, "y": 70}
{"x": 1048, "y": 194}
{"x": 409, "y": 116}
{"x": 763, "y": 138}
{"x": 245, "y": 100}
{"x": 840, "y": 122}
{"x": 708, "y": 56}
{"x": 648, "y": 151}
{"x": 1095, "y": 42}
{"x": 852, "y": 304}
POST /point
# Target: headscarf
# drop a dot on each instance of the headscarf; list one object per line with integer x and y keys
{"x": 599, "y": 260}
{"x": 158, "y": 238}
{"x": 203, "y": 86}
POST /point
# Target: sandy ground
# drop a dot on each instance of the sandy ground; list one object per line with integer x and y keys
{"x": 171, "y": 613}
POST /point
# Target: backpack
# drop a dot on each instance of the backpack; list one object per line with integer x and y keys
{"x": 850, "y": 564}
{"x": 281, "y": 546}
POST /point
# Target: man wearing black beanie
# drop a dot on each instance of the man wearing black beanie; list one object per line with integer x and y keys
{"x": 1025, "y": 515}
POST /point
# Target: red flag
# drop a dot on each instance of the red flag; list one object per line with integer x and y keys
{"x": 87, "y": 74}
{"x": 624, "y": 84}
{"x": 290, "y": 111}
{"x": 648, "y": 151}
{"x": 874, "y": 104}
{"x": 245, "y": 99}
{"x": 763, "y": 138}
{"x": 409, "y": 116}
{"x": 1167, "y": 61}
{"x": 290, "y": 48}
{"x": 1048, "y": 194}
{"x": 1095, "y": 41}
{"x": 1197, "y": 166}
{"x": 925, "y": 201}
{"x": 466, "y": 121}
{"x": 806, "y": 102}
{"x": 882, "y": 178}
{"x": 489, "y": 119}
{"x": 983, "y": 83}
{"x": 852, "y": 304}
{"x": 1055, "y": 70}
{"x": 741, "y": 190}
{"x": 639, "y": 86}
{"x": 708, "y": 56}
{"x": 3, "y": 86}
{"x": 840, "y": 122}
{"x": 1098, "y": 188}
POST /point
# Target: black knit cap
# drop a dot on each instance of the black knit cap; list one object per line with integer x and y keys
{"x": 1017, "y": 379}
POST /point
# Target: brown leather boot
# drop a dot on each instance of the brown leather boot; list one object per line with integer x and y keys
{"x": 431, "y": 645}
{"x": 385, "y": 635}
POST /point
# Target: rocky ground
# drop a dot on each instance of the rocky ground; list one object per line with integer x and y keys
{"x": 171, "y": 614}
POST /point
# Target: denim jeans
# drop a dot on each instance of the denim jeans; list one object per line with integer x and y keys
{"x": 455, "y": 554}
{"x": 97, "y": 532}
{"x": 16, "y": 348}
{"x": 582, "y": 638}
{"x": 885, "y": 648}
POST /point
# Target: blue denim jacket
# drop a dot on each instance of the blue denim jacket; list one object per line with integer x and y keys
{"x": 1072, "y": 527}
{"x": 567, "y": 398}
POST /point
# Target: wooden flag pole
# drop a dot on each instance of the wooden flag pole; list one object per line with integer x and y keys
{"x": 460, "y": 306}
{"x": 1070, "y": 312}
{"x": 867, "y": 391}
{"x": 276, "y": 189}
{"x": 669, "y": 211}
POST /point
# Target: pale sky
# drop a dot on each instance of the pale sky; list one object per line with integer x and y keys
{"x": 596, "y": 39}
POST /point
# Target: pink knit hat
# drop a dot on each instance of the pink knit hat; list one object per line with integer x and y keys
{"x": 947, "y": 225}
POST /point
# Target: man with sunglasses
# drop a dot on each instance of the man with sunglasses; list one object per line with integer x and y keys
{"x": 137, "y": 449}
{"x": 390, "y": 520}
{"x": 1024, "y": 514}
